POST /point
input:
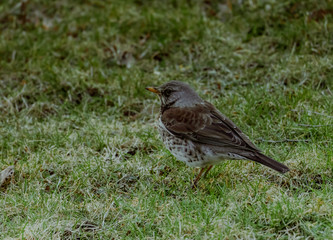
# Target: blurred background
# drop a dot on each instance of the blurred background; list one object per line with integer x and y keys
{"x": 60, "y": 55}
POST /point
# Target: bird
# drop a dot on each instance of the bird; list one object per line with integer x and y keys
{"x": 198, "y": 134}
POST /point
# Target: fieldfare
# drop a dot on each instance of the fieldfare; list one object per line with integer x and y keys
{"x": 196, "y": 133}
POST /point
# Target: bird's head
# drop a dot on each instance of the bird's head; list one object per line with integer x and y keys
{"x": 176, "y": 94}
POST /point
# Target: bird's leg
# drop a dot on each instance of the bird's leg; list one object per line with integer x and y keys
{"x": 209, "y": 168}
{"x": 198, "y": 177}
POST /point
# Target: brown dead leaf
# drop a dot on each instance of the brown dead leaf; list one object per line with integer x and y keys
{"x": 320, "y": 14}
{"x": 6, "y": 176}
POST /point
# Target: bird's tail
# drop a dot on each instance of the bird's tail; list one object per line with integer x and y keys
{"x": 267, "y": 161}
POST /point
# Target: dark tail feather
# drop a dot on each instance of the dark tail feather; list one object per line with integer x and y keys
{"x": 269, "y": 162}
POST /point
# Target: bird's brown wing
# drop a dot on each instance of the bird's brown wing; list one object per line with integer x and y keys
{"x": 205, "y": 124}
{"x": 217, "y": 114}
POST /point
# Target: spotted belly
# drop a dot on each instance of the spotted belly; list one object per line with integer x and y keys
{"x": 183, "y": 149}
{"x": 193, "y": 154}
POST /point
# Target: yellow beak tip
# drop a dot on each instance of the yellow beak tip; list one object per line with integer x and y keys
{"x": 152, "y": 89}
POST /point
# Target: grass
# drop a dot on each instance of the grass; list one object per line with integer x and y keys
{"x": 78, "y": 122}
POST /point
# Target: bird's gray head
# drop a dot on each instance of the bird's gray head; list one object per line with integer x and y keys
{"x": 176, "y": 94}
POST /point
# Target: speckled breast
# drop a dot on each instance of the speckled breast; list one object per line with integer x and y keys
{"x": 184, "y": 150}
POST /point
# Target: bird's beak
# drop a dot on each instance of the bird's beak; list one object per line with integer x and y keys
{"x": 154, "y": 90}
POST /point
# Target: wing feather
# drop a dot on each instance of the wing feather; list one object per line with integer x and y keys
{"x": 206, "y": 125}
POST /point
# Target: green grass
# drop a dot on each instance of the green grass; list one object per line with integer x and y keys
{"x": 76, "y": 117}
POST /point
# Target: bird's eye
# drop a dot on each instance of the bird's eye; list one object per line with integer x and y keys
{"x": 167, "y": 92}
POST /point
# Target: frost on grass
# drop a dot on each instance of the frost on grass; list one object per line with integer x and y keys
{"x": 77, "y": 118}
